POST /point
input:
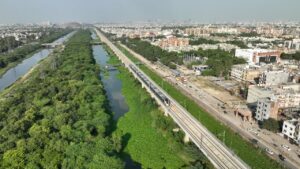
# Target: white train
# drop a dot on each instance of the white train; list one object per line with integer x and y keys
{"x": 154, "y": 89}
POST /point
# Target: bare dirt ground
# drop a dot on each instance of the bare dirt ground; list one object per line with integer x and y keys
{"x": 215, "y": 90}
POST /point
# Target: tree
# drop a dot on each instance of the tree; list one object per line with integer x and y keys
{"x": 153, "y": 53}
{"x": 295, "y": 56}
{"x": 271, "y": 124}
{"x": 14, "y": 158}
{"x": 219, "y": 61}
{"x": 203, "y": 41}
{"x": 62, "y": 119}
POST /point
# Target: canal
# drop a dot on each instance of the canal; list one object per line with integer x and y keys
{"x": 22, "y": 68}
{"x": 113, "y": 87}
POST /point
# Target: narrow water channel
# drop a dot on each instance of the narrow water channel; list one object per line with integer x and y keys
{"x": 112, "y": 85}
{"x": 113, "y": 88}
{"x": 22, "y": 68}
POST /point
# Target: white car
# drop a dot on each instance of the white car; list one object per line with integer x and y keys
{"x": 253, "y": 131}
{"x": 269, "y": 151}
{"x": 285, "y": 147}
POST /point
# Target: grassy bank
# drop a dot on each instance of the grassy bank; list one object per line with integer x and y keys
{"x": 253, "y": 156}
{"x": 148, "y": 135}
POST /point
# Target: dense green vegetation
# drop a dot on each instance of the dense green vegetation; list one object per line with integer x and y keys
{"x": 272, "y": 125}
{"x": 250, "y": 34}
{"x": 238, "y": 43}
{"x": 153, "y": 53}
{"x": 219, "y": 61}
{"x": 295, "y": 56}
{"x": 152, "y": 143}
{"x": 17, "y": 54}
{"x": 59, "y": 117}
{"x": 51, "y": 35}
{"x": 200, "y": 41}
{"x": 148, "y": 135}
{"x": 20, "y": 53}
{"x": 221, "y": 34}
{"x": 8, "y": 43}
{"x": 253, "y": 156}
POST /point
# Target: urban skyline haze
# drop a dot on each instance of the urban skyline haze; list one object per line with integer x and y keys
{"x": 32, "y": 11}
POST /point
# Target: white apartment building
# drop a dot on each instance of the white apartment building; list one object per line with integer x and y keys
{"x": 228, "y": 30}
{"x": 264, "y": 109}
{"x": 292, "y": 44}
{"x": 256, "y": 56}
{"x": 274, "y": 77}
{"x": 290, "y": 130}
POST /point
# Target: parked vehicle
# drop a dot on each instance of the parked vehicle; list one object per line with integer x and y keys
{"x": 281, "y": 157}
{"x": 285, "y": 147}
{"x": 269, "y": 151}
{"x": 254, "y": 141}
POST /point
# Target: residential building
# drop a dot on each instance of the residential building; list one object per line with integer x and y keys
{"x": 274, "y": 77}
{"x": 255, "y": 93}
{"x": 200, "y": 31}
{"x": 245, "y": 73}
{"x": 270, "y": 31}
{"x": 291, "y": 130}
{"x": 206, "y": 31}
{"x": 256, "y": 56}
{"x": 284, "y": 100}
{"x": 288, "y": 97}
{"x": 266, "y": 108}
{"x": 173, "y": 42}
{"x": 292, "y": 44}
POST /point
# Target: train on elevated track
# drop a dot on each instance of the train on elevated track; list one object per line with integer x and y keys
{"x": 154, "y": 89}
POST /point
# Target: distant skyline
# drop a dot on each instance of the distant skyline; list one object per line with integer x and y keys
{"x": 208, "y": 11}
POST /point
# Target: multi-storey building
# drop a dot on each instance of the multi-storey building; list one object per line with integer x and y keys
{"x": 256, "y": 56}
{"x": 291, "y": 130}
{"x": 287, "y": 98}
{"x": 245, "y": 73}
{"x": 283, "y": 100}
{"x": 173, "y": 42}
{"x": 255, "y": 93}
{"x": 292, "y": 44}
{"x": 273, "y": 77}
{"x": 270, "y": 31}
{"x": 266, "y": 108}
{"x": 200, "y": 31}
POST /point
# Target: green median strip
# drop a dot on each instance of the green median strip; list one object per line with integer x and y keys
{"x": 253, "y": 156}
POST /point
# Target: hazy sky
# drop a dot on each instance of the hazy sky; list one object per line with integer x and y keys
{"x": 26, "y": 11}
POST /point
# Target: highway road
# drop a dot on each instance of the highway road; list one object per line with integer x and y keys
{"x": 220, "y": 156}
